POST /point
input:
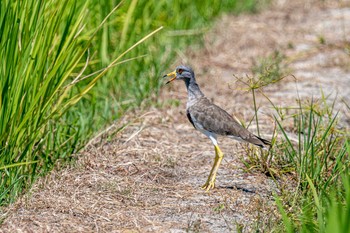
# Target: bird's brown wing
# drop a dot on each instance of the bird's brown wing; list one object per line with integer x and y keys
{"x": 213, "y": 118}
{"x": 216, "y": 120}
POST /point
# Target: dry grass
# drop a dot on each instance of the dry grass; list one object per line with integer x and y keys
{"x": 145, "y": 177}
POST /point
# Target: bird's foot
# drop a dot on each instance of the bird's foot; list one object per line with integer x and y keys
{"x": 210, "y": 184}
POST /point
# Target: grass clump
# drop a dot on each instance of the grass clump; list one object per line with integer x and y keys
{"x": 309, "y": 159}
{"x": 38, "y": 60}
{"x": 270, "y": 69}
{"x": 38, "y": 87}
{"x": 311, "y": 152}
{"x": 319, "y": 161}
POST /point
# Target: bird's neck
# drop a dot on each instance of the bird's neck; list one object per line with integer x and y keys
{"x": 193, "y": 90}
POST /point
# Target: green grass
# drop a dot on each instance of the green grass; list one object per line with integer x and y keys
{"x": 311, "y": 150}
{"x": 320, "y": 163}
{"x": 59, "y": 83}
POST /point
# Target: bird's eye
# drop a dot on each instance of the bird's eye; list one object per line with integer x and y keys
{"x": 180, "y": 71}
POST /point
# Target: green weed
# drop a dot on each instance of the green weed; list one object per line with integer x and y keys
{"x": 310, "y": 147}
{"x": 37, "y": 87}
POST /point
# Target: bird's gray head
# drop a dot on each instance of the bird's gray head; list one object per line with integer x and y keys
{"x": 181, "y": 73}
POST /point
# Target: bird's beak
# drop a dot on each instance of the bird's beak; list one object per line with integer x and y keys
{"x": 172, "y": 74}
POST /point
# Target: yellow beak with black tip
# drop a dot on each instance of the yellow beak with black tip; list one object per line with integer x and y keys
{"x": 172, "y": 74}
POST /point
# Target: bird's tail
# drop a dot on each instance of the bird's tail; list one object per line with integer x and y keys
{"x": 263, "y": 142}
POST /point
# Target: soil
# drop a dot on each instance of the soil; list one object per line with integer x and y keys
{"x": 144, "y": 173}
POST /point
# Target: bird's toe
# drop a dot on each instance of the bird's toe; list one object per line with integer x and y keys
{"x": 208, "y": 185}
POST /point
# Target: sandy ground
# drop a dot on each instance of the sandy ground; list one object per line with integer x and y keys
{"x": 145, "y": 173}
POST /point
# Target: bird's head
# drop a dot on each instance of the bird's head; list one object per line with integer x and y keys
{"x": 180, "y": 73}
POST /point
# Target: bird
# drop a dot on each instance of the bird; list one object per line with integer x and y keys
{"x": 211, "y": 120}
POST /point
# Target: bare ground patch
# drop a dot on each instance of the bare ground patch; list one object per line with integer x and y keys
{"x": 146, "y": 177}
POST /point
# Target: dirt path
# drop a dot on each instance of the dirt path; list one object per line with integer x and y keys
{"x": 146, "y": 177}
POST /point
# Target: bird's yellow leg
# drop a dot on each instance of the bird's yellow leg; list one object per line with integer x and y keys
{"x": 212, "y": 176}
